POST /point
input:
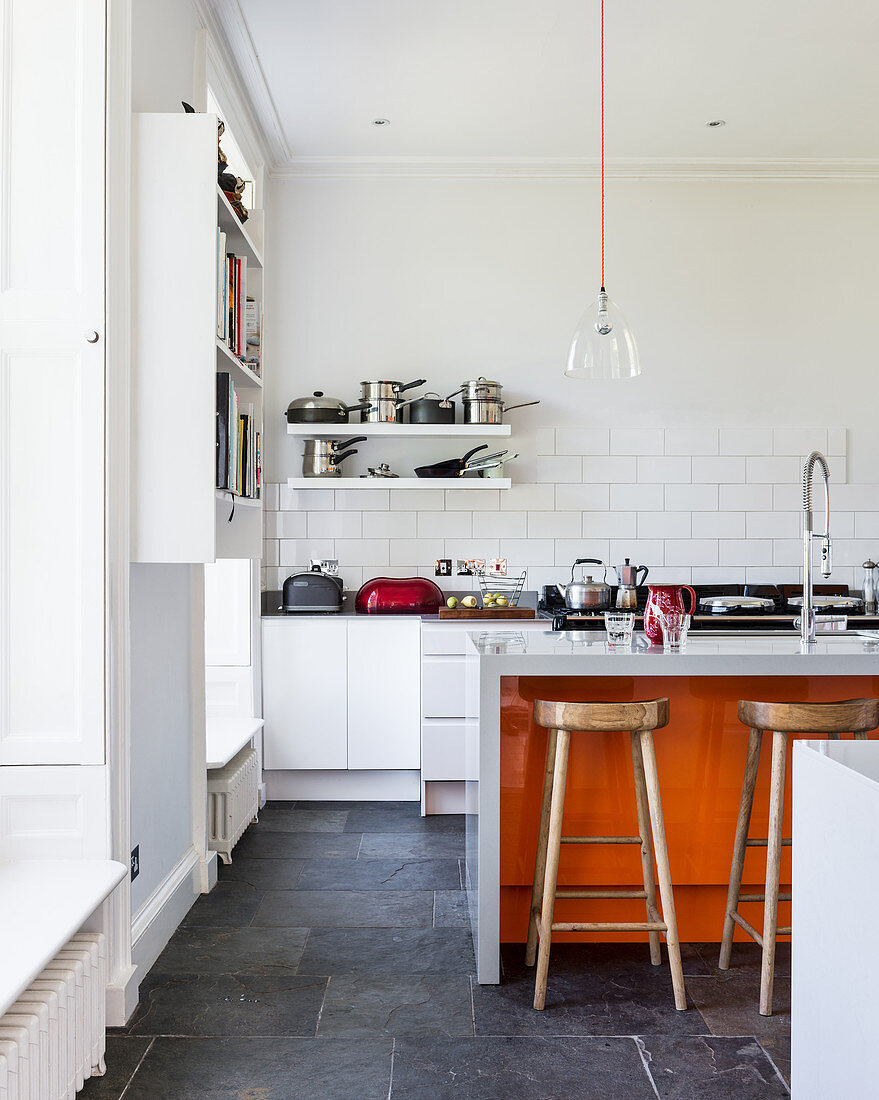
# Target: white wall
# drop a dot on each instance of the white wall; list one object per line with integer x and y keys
{"x": 752, "y": 303}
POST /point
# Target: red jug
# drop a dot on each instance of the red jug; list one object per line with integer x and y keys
{"x": 664, "y": 597}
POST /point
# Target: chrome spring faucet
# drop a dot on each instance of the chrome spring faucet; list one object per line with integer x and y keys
{"x": 807, "y": 619}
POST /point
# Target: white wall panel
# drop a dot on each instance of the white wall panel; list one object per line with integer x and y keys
{"x": 53, "y": 813}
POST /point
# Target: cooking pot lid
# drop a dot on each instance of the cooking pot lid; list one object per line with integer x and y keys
{"x": 719, "y": 604}
{"x": 481, "y": 383}
{"x": 828, "y": 601}
{"x": 317, "y": 400}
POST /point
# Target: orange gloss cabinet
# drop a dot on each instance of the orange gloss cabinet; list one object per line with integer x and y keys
{"x": 701, "y": 758}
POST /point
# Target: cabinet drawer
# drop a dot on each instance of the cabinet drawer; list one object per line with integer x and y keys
{"x": 448, "y": 639}
{"x": 443, "y": 687}
{"x": 448, "y": 749}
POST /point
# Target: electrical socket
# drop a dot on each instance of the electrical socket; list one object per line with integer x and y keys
{"x": 135, "y": 862}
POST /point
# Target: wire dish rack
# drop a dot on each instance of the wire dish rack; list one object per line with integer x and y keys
{"x": 508, "y": 587}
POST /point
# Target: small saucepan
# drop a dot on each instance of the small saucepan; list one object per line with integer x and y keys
{"x": 384, "y": 402}
{"x": 432, "y": 409}
{"x": 451, "y": 467}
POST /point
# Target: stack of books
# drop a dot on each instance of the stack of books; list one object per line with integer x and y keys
{"x": 239, "y": 318}
{"x": 239, "y": 458}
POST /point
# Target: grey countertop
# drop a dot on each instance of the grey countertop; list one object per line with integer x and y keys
{"x": 271, "y": 608}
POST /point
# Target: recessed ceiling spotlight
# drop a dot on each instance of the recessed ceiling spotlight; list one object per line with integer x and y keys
{"x": 381, "y": 122}
{"x": 716, "y": 122}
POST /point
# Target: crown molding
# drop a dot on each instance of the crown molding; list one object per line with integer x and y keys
{"x": 232, "y": 49}
{"x": 782, "y": 170}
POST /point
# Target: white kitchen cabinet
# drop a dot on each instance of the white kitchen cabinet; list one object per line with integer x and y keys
{"x": 305, "y": 694}
{"x": 442, "y": 687}
{"x": 384, "y": 697}
{"x": 448, "y": 749}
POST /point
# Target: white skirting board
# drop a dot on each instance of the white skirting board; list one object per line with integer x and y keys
{"x": 348, "y": 786}
{"x": 444, "y": 797}
{"x": 157, "y": 919}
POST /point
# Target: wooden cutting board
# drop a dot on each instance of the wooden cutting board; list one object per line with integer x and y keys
{"x": 487, "y": 613}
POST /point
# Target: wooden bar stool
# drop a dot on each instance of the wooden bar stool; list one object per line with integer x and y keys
{"x": 824, "y": 720}
{"x": 639, "y": 720}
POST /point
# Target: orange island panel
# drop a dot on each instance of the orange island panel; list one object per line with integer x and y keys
{"x": 700, "y": 757}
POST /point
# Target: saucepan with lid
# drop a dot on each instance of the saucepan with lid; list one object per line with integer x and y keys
{"x": 483, "y": 403}
{"x": 384, "y": 401}
{"x": 320, "y": 409}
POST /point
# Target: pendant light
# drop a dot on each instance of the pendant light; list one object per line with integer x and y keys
{"x": 603, "y": 346}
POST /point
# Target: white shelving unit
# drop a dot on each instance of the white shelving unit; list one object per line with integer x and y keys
{"x": 242, "y": 376}
{"x": 474, "y": 483}
{"x": 401, "y": 431}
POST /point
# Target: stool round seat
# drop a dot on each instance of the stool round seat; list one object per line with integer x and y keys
{"x": 846, "y": 716}
{"x": 602, "y": 717}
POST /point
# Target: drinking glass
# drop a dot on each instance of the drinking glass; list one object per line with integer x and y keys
{"x": 675, "y": 623}
{"x": 619, "y": 626}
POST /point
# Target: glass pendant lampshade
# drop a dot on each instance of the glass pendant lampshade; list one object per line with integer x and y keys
{"x": 603, "y": 346}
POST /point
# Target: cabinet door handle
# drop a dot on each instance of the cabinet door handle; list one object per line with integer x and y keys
{"x": 93, "y": 337}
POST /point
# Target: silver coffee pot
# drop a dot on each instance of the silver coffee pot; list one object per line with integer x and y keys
{"x": 628, "y": 580}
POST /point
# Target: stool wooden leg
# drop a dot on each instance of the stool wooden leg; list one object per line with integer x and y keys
{"x": 554, "y": 843}
{"x": 773, "y": 869}
{"x": 663, "y": 871}
{"x": 752, "y": 761}
{"x": 646, "y": 835}
{"x": 540, "y": 858}
{"x": 861, "y": 736}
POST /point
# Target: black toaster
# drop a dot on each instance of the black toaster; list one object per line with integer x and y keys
{"x": 312, "y": 591}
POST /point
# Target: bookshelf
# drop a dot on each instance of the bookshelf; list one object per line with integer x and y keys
{"x": 178, "y": 512}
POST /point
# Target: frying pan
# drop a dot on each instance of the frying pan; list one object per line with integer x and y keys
{"x": 451, "y": 467}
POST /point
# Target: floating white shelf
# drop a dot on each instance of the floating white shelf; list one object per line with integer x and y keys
{"x": 242, "y": 376}
{"x": 398, "y": 483}
{"x": 227, "y": 496}
{"x": 238, "y": 239}
{"x": 448, "y": 431}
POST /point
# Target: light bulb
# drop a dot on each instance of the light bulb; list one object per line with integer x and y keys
{"x": 603, "y": 345}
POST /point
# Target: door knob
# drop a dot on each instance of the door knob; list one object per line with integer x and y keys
{"x": 93, "y": 337}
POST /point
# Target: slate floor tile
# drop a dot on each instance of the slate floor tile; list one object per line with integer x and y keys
{"x": 400, "y": 817}
{"x": 746, "y": 959}
{"x": 731, "y": 1007}
{"x": 263, "y": 874}
{"x": 711, "y": 1067}
{"x": 243, "y": 1003}
{"x": 519, "y": 1069}
{"x": 346, "y": 909}
{"x": 229, "y": 904}
{"x": 387, "y": 951}
{"x": 263, "y": 1068}
{"x": 593, "y": 989}
{"x": 266, "y": 844}
{"x": 299, "y": 820}
{"x": 419, "y": 1004}
{"x": 412, "y": 846}
{"x": 124, "y": 1053}
{"x": 778, "y": 1050}
{"x": 450, "y": 909}
{"x": 217, "y": 951}
{"x": 379, "y": 874}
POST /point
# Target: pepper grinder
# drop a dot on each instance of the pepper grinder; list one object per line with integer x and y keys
{"x": 869, "y": 592}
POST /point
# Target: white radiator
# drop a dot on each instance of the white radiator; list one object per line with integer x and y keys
{"x": 233, "y": 801}
{"x": 53, "y": 1038}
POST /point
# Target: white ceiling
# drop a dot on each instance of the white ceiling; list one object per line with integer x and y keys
{"x": 519, "y": 78}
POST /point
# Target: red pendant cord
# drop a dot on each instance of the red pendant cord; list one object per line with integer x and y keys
{"x": 602, "y": 144}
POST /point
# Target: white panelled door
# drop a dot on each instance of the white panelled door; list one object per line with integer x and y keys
{"x": 52, "y": 60}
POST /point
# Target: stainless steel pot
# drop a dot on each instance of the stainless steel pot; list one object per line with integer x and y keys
{"x": 482, "y": 402}
{"x": 320, "y": 409}
{"x": 430, "y": 408}
{"x": 586, "y": 594}
{"x": 384, "y": 401}
{"x": 323, "y": 457}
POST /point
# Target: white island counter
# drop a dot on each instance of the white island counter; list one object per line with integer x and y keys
{"x": 700, "y": 754}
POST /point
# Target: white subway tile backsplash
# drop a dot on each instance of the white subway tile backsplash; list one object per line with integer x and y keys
{"x": 664, "y": 525}
{"x": 775, "y": 471}
{"x": 335, "y": 525}
{"x": 717, "y": 574}
{"x": 417, "y": 499}
{"x": 270, "y": 496}
{"x": 857, "y": 498}
{"x": 773, "y": 525}
{"x": 558, "y": 468}
{"x": 362, "y": 500}
{"x": 838, "y": 469}
{"x": 746, "y": 441}
{"x": 476, "y": 548}
{"x": 745, "y": 498}
{"x": 866, "y": 525}
{"x": 305, "y": 500}
{"x": 691, "y": 498}
{"x": 528, "y": 497}
{"x": 718, "y": 471}
{"x": 690, "y": 552}
{"x": 496, "y": 525}
{"x": 285, "y": 525}
{"x": 301, "y": 551}
{"x": 365, "y": 552}
{"x": 691, "y": 441}
{"x": 389, "y": 525}
{"x": 270, "y": 552}
{"x": 745, "y": 552}
{"x": 787, "y": 551}
{"x": 785, "y": 498}
{"x": 555, "y": 525}
{"x": 545, "y": 441}
{"x": 582, "y": 441}
{"x": 461, "y": 500}
{"x": 775, "y": 575}
{"x": 836, "y": 441}
{"x": 637, "y": 441}
{"x": 664, "y": 470}
{"x": 584, "y": 497}
{"x": 523, "y": 552}
{"x": 610, "y": 525}
{"x": 719, "y": 525}
{"x": 799, "y": 441}
{"x": 649, "y": 552}
{"x": 445, "y": 525}
{"x": 412, "y": 552}
{"x": 612, "y": 469}
{"x": 568, "y": 550}
{"x": 634, "y": 498}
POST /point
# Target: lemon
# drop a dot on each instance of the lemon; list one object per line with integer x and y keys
{"x": 451, "y": 602}
{"x": 469, "y": 601}
{"x": 502, "y": 601}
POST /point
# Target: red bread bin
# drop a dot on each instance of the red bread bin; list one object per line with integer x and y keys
{"x": 398, "y": 596}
